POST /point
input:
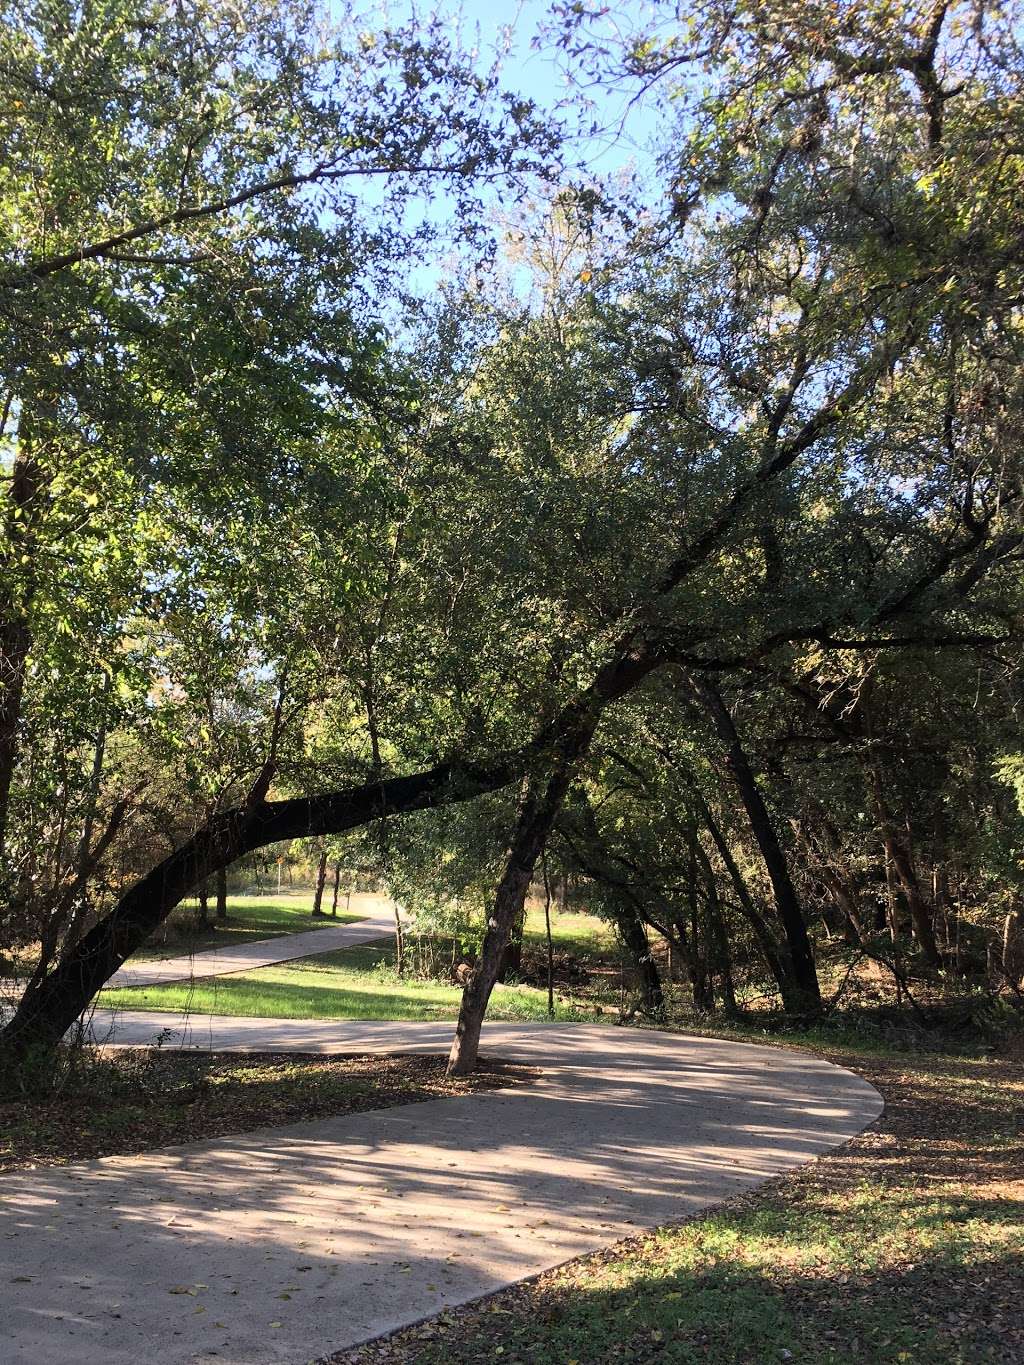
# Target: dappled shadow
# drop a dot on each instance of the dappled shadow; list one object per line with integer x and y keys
{"x": 902, "y": 1246}
{"x": 938, "y": 1309}
{"x": 342, "y": 1228}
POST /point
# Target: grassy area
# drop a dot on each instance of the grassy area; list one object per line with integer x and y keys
{"x": 570, "y": 930}
{"x": 905, "y": 1246}
{"x": 132, "y": 1100}
{"x": 350, "y": 983}
{"x": 250, "y": 920}
{"x": 361, "y": 983}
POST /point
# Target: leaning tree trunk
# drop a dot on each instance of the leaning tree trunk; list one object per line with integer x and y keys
{"x": 60, "y": 997}
{"x": 801, "y": 956}
{"x": 903, "y": 864}
{"x": 544, "y": 796}
{"x": 718, "y": 934}
{"x": 700, "y": 970}
{"x": 67, "y": 989}
{"x": 777, "y": 962}
{"x": 17, "y": 565}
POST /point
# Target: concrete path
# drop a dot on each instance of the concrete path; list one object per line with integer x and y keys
{"x": 283, "y": 1245}
{"x": 246, "y": 957}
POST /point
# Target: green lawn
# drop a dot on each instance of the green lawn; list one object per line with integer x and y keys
{"x": 360, "y": 983}
{"x": 571, "y": 931}
{"x": 250, "y": 920}
{"x": 350, "y": 983}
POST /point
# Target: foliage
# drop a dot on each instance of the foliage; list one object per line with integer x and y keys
{"x": 704, "y": 510}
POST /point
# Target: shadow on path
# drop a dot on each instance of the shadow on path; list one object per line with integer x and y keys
{"x": 284, "y": 1244}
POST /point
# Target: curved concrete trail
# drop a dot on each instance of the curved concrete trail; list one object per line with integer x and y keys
{"x": 246, "y": 957}
{"x": 286, "y": 1244}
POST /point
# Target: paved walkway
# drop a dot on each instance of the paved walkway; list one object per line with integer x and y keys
{"x": 279, "y": 1246}
{"x": 246, "y": 957}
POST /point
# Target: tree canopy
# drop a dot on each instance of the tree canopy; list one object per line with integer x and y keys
{"x": 679, "y": 536}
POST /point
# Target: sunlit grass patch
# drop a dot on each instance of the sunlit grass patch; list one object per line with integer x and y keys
{"x": 251, "y": 919}
{"x": 350, "y": 983}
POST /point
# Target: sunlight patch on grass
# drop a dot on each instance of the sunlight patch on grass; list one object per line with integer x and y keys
{"x": 251, "y": 919}
{"x": 350, "y": 983}
{"x": 571, "y": 930}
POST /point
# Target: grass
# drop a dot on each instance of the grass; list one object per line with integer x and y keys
{"x": 571, "y": 931}
{"x": 350, "y": 983}
{"x": 902, "y": 1248}
{"x": 251, "y": 920}
{"x": 112, "y": 1102}
{"x": 361, "y": 983}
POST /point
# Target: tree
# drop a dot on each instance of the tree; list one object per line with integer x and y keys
{"x": 183, "y": 339}
{"x": 738, "y": 449}
{"x": 813, "y": 360}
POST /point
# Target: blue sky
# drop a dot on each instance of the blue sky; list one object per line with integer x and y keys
{"x": 511, "y": 33}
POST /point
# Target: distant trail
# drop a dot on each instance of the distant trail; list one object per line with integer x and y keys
{"x": 276, "y": 1247}
{"x": 246, "y": 957}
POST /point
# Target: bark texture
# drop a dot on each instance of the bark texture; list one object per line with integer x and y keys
{"x": 543, "y": 800}
{"x": 804, "y": 990}
{"x": 222, "y": 893}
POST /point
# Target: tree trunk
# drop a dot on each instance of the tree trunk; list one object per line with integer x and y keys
{"x": 477, "y": 991}
{"x": 719, "y": 934}
{"x": 334, "y": 893}
{"x": 20, "y": 514}
{"x": 512, "y": 958}
{"x": 203, "y": 897}
{"x": 805, "y": 993}
{"x": 920, "y": 911}
{"x": 318, "y": 894}
{"x": 843, "y": 896}
{"x": 901, "y": 861}
{"x": 547, "y": 935}
{"x": 634, "y": 936}
{"x": 544, "y": 797}
{"x": 399, "y": 942}
{"x": 777, "y": 964}
{"x": 222, "y": 893}
{"x": 899, "y": 855}
{"x": 1012, "y": 955}
{"x": 62, "y": 996}
{"x": 700, "y": 980}
{"x": 42, "y": 1018}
